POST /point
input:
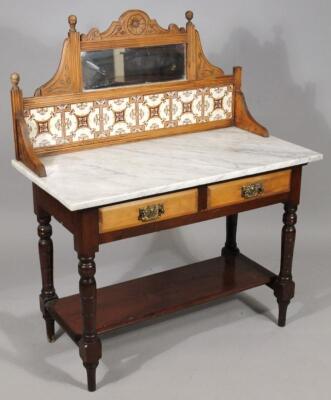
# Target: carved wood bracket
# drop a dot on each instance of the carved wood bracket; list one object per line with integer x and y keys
{"x": 25, "y": 150}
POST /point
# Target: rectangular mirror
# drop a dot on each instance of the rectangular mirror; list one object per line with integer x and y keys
{"x": 132, "y": 66}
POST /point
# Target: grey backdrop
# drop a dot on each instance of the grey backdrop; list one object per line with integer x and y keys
{"x": 284, "y": 47}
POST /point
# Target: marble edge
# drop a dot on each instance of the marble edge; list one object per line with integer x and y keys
{"x": 24, "y": 170}
{"x": 102, "y": 201}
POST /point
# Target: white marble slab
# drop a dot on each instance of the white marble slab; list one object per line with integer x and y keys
{"x": 112, "y": 174}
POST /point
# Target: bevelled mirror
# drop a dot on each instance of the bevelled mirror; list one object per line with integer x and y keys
{"x": 133, "y": 66}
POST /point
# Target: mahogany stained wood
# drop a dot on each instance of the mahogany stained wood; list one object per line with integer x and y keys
{"x": 230, "y": 247}
{"x": 86, "y": 245}
{"x": 94, "y": 312}
{"x": 89, "y": 344}
{"x": 163, "y": 293}
{"x": 53, "y": 207}
{"x": 284, "y": 285}
{"x": 48, "y": 293}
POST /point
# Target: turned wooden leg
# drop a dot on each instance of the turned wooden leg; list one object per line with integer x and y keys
{"x": 46, "y": 265}
{"x": 230, "y": 248}
{"x": 89, "y": 345}
{"x": 284, "y": 285}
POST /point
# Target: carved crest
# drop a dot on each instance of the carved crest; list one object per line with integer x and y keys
{"x": 131, "y": 23}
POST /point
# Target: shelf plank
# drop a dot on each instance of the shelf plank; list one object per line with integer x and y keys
{"x": 163, "y": 293}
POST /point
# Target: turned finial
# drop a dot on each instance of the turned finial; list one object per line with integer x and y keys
{"x": 189, "y": 16}
{"x": 72, "y": 20}
{"x": 15, "y": 79}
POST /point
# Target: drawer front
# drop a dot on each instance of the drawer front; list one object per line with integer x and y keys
{"x": 247, "y": 189}
{"x": 145, "y": 211}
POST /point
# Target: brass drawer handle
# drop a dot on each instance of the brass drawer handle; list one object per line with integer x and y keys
{"x": 252, "y": 190}
{"x": 150, "y": 213}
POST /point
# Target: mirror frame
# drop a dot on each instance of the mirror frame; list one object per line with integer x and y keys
{"x": 134, "y": 28}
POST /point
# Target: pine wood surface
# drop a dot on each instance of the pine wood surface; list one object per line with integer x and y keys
{"x": 126, "y": 215}
{"x": 224, "y": 194}
{"x": 134, "y": 28}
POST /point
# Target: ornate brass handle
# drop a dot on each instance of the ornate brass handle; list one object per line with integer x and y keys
{"x": 151, "y": 213}
{"x": 252, "y": 190}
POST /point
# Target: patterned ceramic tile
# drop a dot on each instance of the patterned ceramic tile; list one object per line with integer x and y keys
{"x": 82, "y": 121}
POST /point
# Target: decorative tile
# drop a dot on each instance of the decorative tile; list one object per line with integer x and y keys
{"x": 67, "y": 123}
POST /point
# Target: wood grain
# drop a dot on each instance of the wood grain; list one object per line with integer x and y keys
{"x": 17, "y": 107}
{"x": 203, "y": 215}
{"x": 126, "y": 91}
{"x": 93, "y": 311}
{"x": 284, "y": 285}
{"x": 125, "y": 215}
{"x": 135, "y": 24}
{"x": 134, "y": 29}
{"x": 224, "y": 194}
{"x": 45, "y": 247}
{"x": 242, "y": 117}
{"x": 144, "y": 298}
{"x": 25, "y": 151}
{"x": 119, "y": 42}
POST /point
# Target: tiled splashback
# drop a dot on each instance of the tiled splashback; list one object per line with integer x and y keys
{"x": 62, "y": 124}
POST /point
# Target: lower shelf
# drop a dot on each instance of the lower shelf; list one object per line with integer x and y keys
{"x": 162, "y": 293}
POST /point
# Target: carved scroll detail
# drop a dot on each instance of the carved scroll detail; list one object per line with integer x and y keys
{"x": 61, "y": 82}
{"x": 203, "y": 67}
{"x": 242, "y": 117}
{"x": 67, "y": 78}
{"x": 131, "y": 23}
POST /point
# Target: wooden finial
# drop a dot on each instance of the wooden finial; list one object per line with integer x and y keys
{"x": 189, "y": 16}
{"x": 72, "y": 20}
{"x": 15, "y": 79}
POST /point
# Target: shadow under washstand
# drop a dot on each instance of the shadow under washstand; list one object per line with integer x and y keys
{"x": 130, "y": 348}
{"x": 32, "y": 350}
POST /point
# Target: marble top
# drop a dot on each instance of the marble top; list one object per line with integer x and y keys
{"x": 105, "y": 175}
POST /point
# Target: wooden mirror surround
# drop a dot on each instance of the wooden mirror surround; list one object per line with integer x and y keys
{"x": 76, "y": 110}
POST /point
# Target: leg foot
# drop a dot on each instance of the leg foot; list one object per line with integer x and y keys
{"x": 86, "y": 245}
{"x": 91, "y": 376}
{"x": 284, "y": 286}
{"x": 89, "y": 345}
{"x": 50, "y": 329}
{"x": 282, "y": 305}
{"x": 230, "y": 248}
{"x": 46, "y": 265}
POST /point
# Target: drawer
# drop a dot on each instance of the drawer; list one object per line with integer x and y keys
{"x": 140, "y": 212}
{"x": 248, "y": 189}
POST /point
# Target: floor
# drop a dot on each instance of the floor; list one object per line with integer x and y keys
{"x": 231, "y": 349}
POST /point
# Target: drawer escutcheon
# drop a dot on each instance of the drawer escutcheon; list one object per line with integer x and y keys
{"x": 252, "y": 190}
{"x": 151, "y": 213}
